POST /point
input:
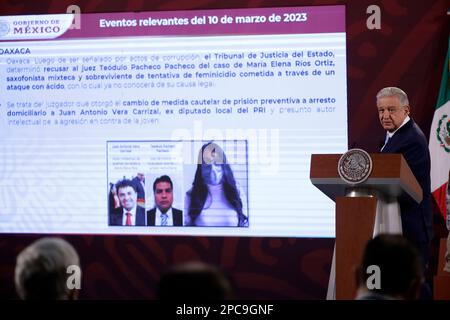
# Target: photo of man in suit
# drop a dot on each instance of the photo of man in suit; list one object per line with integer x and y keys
{"x": 129, "y": 213}
{"x": 163, "y": 214}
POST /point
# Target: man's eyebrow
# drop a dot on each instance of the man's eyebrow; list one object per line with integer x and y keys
{"x": 387, "y": 107}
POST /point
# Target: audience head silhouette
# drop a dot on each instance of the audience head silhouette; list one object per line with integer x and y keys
{"x": 400, "y": 269}
{"x": 195, "y": 281}
{"x": 41, "y": 270}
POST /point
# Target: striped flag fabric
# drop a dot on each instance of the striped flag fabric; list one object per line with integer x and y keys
{"x": 439, "y": 143}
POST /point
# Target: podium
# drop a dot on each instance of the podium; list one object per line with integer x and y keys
{"x": 362, "y": 210}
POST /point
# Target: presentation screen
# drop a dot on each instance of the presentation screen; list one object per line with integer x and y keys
{"x": 195, "y": 122}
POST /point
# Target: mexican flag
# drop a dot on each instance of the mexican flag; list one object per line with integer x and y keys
{"x": 440, "y": 141}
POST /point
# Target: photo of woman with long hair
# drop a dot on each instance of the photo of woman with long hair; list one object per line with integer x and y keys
{"x": 215, "y": 198}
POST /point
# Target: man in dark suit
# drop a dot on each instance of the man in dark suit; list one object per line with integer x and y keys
{"x": 163, "y": 214}
{"x": 405, "y": 137}
{"x": 129, "y": 213}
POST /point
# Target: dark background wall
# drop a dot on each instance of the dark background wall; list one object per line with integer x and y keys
{"x": 408, "y": 51}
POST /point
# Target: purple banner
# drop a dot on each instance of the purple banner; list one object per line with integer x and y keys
{"x": 289, "y": 20}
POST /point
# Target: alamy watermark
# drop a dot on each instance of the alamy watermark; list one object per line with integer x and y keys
{"x": 76, "y": 11}
{"x": 374, "y": 20}
{"x": 74, "y": 277}
{"x": 263, "y": 144}
{"x": 374, "y": 280}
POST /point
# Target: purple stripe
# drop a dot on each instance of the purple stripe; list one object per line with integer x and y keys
{"x": 320, "y": 19}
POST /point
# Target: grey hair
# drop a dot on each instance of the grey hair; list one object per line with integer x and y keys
{"x": 394, "y": 91}
{"x": 41, "y": 269}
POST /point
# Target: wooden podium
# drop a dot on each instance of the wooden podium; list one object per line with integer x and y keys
{"x": 362, "y": 210}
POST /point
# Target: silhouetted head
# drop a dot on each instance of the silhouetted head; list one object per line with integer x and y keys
{"x": 194, "y": 281}
{"x": 399, "y": 264}
{"x": 42, "y": 270}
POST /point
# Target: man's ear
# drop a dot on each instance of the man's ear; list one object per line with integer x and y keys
{"x": 407, "y": 110}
